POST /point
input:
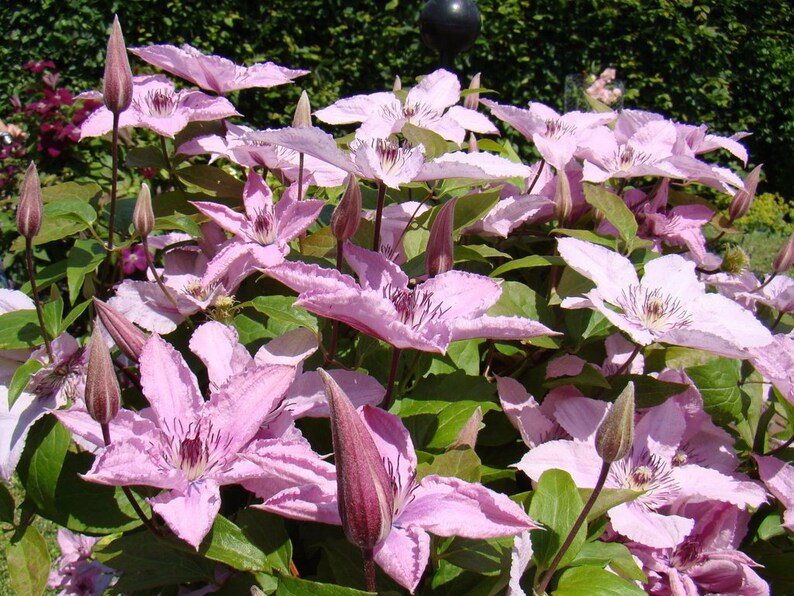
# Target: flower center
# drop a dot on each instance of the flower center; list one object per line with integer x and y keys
{"x": 686, "y": 555}
{"x": 414, "y": 307}
{"x": 680, "y": 458}
{"x": 627, "y": 157}
{"x": 198, "y": 291}
{"x": 647, "y": 473}
{"x": 392, "y": 156}
{"x": 195, "y": 451}
{"x": 61, "y": 377}
{"x": 160, "y": 103}
{"x": 557, "y": 129}
{"x": 403, "y": 493}
{"x": 264, "y": 227}
{"x": 653, "y": 309}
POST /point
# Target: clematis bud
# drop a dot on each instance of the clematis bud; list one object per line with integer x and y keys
{"x": 616, "y": 433}
{"x": 143, "y": 216}
{"x": 398, "y": 84}
{"x": 30, "y": 204}
{"x": 303, "y": 112}
{"x": 344, "y": 221}
{"x": 785, "y": 258}
{"x": 364, "y": 488}
{"x": 117, "y": 86}
{"x": 563, "y": 201}
{"x": 127, "y": 336}
{"x": 743, "y": 199}
{"x": 473, "y": 145}
{"x": 102, "y": 393}
{"x": 472, "y": 100}
{"x": 440, "y": 245}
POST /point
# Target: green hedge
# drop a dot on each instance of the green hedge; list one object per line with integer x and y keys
{"x": 728, "y": 63}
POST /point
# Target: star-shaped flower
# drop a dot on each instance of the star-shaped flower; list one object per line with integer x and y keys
{"x": 446, "y": 308}
{"x": 215, "y": 73}
{"x": 669, "y": 305}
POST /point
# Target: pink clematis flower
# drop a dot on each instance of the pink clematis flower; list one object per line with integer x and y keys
{"x": 777, "y": 294}
{"x": 559, "y": 138}
{"x": 430, "y": 105}
{"x": 261, "y": 234}
{"x": 778, "y": 476}
{"x": 157, "y": 105}
{"x": 184, "y": 445}
{"x": 708, "y": 561}
{"x": 391, "y": 163}
{"x": 446, "y": 308}
{"x": 76, "y": 572}
{"x": 775, "y": 362}
{"x": 669, "y": 304}
{"x": 443, "y": 506}
{"x": 215, "y": 73}
{"x": 133, "y": 259}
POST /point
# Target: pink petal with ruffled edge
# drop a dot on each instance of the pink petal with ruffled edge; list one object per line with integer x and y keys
{"x": 404, "y": 555}
{"x": 168, "y": 383}
{"x": 190, "y": 514}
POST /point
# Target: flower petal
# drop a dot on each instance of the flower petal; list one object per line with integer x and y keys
{"x": 190, "y": 514}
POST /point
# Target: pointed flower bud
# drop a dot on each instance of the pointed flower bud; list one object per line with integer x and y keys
{"x": 474, "y": 147}
{"x": 440, "y": 245}
{"x": 743, "y": 199}
{"x": 303, "y": 112}
{"x": 364, "y": 487}
{"x": 143, "y": 215}
{"x": 563, "y": 201}
{"x": 117, "y": 87}
{"x": 344, "y": 221}
{"x": 30, "y": 205}
{"x": 616, "y": 433}
{"x": 127, "y": 336}
{"x": 102, "y": 393}
{"x": 785, "y": 258}
{"x": 472, "y": 100}
{"x": 398, "y": 84}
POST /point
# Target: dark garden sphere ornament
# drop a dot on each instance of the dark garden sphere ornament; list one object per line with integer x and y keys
{"x": 449, "y": 27}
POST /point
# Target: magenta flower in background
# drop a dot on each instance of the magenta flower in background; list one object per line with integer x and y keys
{"x": 261, "y": 234}
{"x": 778, "y": 476}
{"x": 215, "y": 73}
{"x": 430, "y": 104}
{"x": 157, "y": 105}
{"x": 184, "y": 445}
{"x": 427, "y": 317}
{"x": 133, "y": 259}
{"x": 669, "y": 305}
{"x": 443, "y": 506}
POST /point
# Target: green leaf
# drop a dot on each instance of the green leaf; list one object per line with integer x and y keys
{"x": 294, "y": 586}
{"x": 21, "y": 378}
{"x": 588, "y": 377}
{"x": 42, "y": 461}
{"x": 434, "y": 143}
{"x": 150, "y": 563}
{"x": 212, "y": 179}
{"x": 178, "y": 221}
{"x": 53, "y": 313}
{"x": 282, "y": 308}
{"x": 71, "y": 191}
{"x": 6, "y": 505}
{"x": 480, "y": 556}
{"x": 267, "y": 532}
{"x": 527, "y": 263}
{"x": 650, "y": 392}
{"x": 19, "y": 329}
{"x": 556, "y": 504}
{"x": 28, "y": 563}
{"x": 74, "y": 314}
{"x": 46, "y": 277}
{"x": 589, "y": 236}
{"x": 226, "y": 543}
{"x": 178, "y": 201}
{"x": 601, "y": 554}
{"x": 472, "y": 208}
{"x": 607, "y": 499}
{"x": 586, "y": 581}
{"x": 146, "y": 157}
{"x": 466, "y": 355}
{"x": 518, "y": 299}
{"x": 83, "y": 258}
{"x": 718, "y": 382}
{"x": 614, "y": 209}
{"x": 461, "y": 462}
{"x": 440, "y": 405}
{"x": 319, "y": 244}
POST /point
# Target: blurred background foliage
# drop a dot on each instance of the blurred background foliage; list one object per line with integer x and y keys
{"x": 727, "y": 63}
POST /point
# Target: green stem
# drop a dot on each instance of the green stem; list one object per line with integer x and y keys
{"x": 395, "y": 360}
{"x": 36, "y": 298}
{"x": 157, "y": 278}
{"x": 602, "y": 477}
{"x": 114, "y": 180}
